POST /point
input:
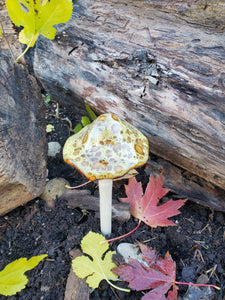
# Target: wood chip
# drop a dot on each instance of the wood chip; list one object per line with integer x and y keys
{"x": 76, "y": 288}
{"x": 84, "y": 200}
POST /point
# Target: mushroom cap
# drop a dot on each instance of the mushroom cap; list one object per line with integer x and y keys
{"x": 107, "y": 148}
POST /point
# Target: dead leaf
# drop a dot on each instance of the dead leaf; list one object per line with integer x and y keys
{"x": 155, "y": 273}
{"x": 145, "y": 207}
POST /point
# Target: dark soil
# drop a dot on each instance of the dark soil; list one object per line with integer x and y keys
{"x": 196, "y": 243}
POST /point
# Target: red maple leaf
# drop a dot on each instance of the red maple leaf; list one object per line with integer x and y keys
{"x": 145, "y": 208}
{"x": 153, "y": 273}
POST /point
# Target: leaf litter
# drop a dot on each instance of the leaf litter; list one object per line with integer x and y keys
{"x": 35, "y": 228}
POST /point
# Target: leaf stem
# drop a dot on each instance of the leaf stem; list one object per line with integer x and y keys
{"x": 117, "y": 287}
{"x": 78, "y": 186}
{"x": 25, "y": 51}
{"x": 197, "y": 284}
{"x": 122, "y": 236}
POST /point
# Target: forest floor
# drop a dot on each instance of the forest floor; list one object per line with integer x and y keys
{"x": 196, "y": 244}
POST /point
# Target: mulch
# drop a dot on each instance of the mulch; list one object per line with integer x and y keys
{"x": 197, "y": 243}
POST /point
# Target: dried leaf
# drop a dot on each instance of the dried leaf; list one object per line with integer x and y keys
{"x": 145, "y": 207}
{"x": 12, "y": 277}
{"x": 155, "y": 273}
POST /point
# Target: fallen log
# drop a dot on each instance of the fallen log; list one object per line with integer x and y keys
{"x": 23, "y": 145}
{"x": 186, "y": 185}
{"x": 159, "y": 66}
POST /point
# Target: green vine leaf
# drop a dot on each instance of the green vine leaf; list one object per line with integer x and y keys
{"x": 38, "y": 17}
{"x": 99, "y": 267}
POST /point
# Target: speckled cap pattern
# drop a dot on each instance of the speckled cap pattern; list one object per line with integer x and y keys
{"x": 107, "y": 148}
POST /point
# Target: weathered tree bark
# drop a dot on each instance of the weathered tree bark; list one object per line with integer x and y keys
{"x": 187, "y": 185}
{"x": 158, "y": 65}
{"x": 23, "y": 144}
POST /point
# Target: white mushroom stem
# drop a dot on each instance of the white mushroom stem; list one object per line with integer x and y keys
{"x": 105, "y": 194}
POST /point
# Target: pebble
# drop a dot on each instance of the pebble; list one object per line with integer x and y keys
{"x": 127, "y": 251}
{"x": 195, "y": 293}
{"x": 54, "y": 188}
{"x": 53, "y": 148}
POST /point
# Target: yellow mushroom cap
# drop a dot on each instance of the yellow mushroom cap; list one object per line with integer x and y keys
{"x": 107, "y": 148}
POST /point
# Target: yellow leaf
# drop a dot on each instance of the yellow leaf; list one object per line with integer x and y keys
{"x": 99, "y": 268}
{"x": 38, "y": 17}
{"x": 12, "y": 277}
{"x": 49, "y": 128}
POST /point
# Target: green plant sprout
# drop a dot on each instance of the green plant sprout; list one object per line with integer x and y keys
{"x": 85, "y": 120}
{"x": 46, "y": 99}
{"x": 38, "y": 17}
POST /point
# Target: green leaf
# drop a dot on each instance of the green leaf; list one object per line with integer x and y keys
{"x": 1, "y": 31}
{"x": 85, "y": 121}
{"x": 77, "y": 128}
{"x": 90, "y": 112}
{"x": 98, "y": 268}
{"x": 38, "y": 18}
{"x": 47, "y": 99}
{"x": 12, "y": 277}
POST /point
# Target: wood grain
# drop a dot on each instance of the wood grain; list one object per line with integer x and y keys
{"x": 23, "y": 145}
{"x": 160, "y": 67}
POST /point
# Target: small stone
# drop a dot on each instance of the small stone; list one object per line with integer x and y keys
{"x": 53, "y": 148}
{"x": 127, "y": 251}
{"x": 195, "y": 293}
{"x": 203, "y": 279}
{"x": 44, "y": 288}
{"x": 54, "y": 188}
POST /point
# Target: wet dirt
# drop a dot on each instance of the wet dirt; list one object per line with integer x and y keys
{"x": 197, "y": 243}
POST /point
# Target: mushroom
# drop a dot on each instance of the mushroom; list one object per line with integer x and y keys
{"x": 106, "y": 149}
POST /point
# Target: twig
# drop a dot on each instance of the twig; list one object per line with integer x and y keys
{"x": 198, "y": 252}
{"x": 4, "y": 37}
{"x": 114, "y": 292}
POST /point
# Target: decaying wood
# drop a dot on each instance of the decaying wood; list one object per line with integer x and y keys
{"x": 157, "y": 64}
{"x": 76, "y": 288}
{"x": 187, "y": 185}
{"x": 84, "y": 200}
{"x": 23, "y": 146}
